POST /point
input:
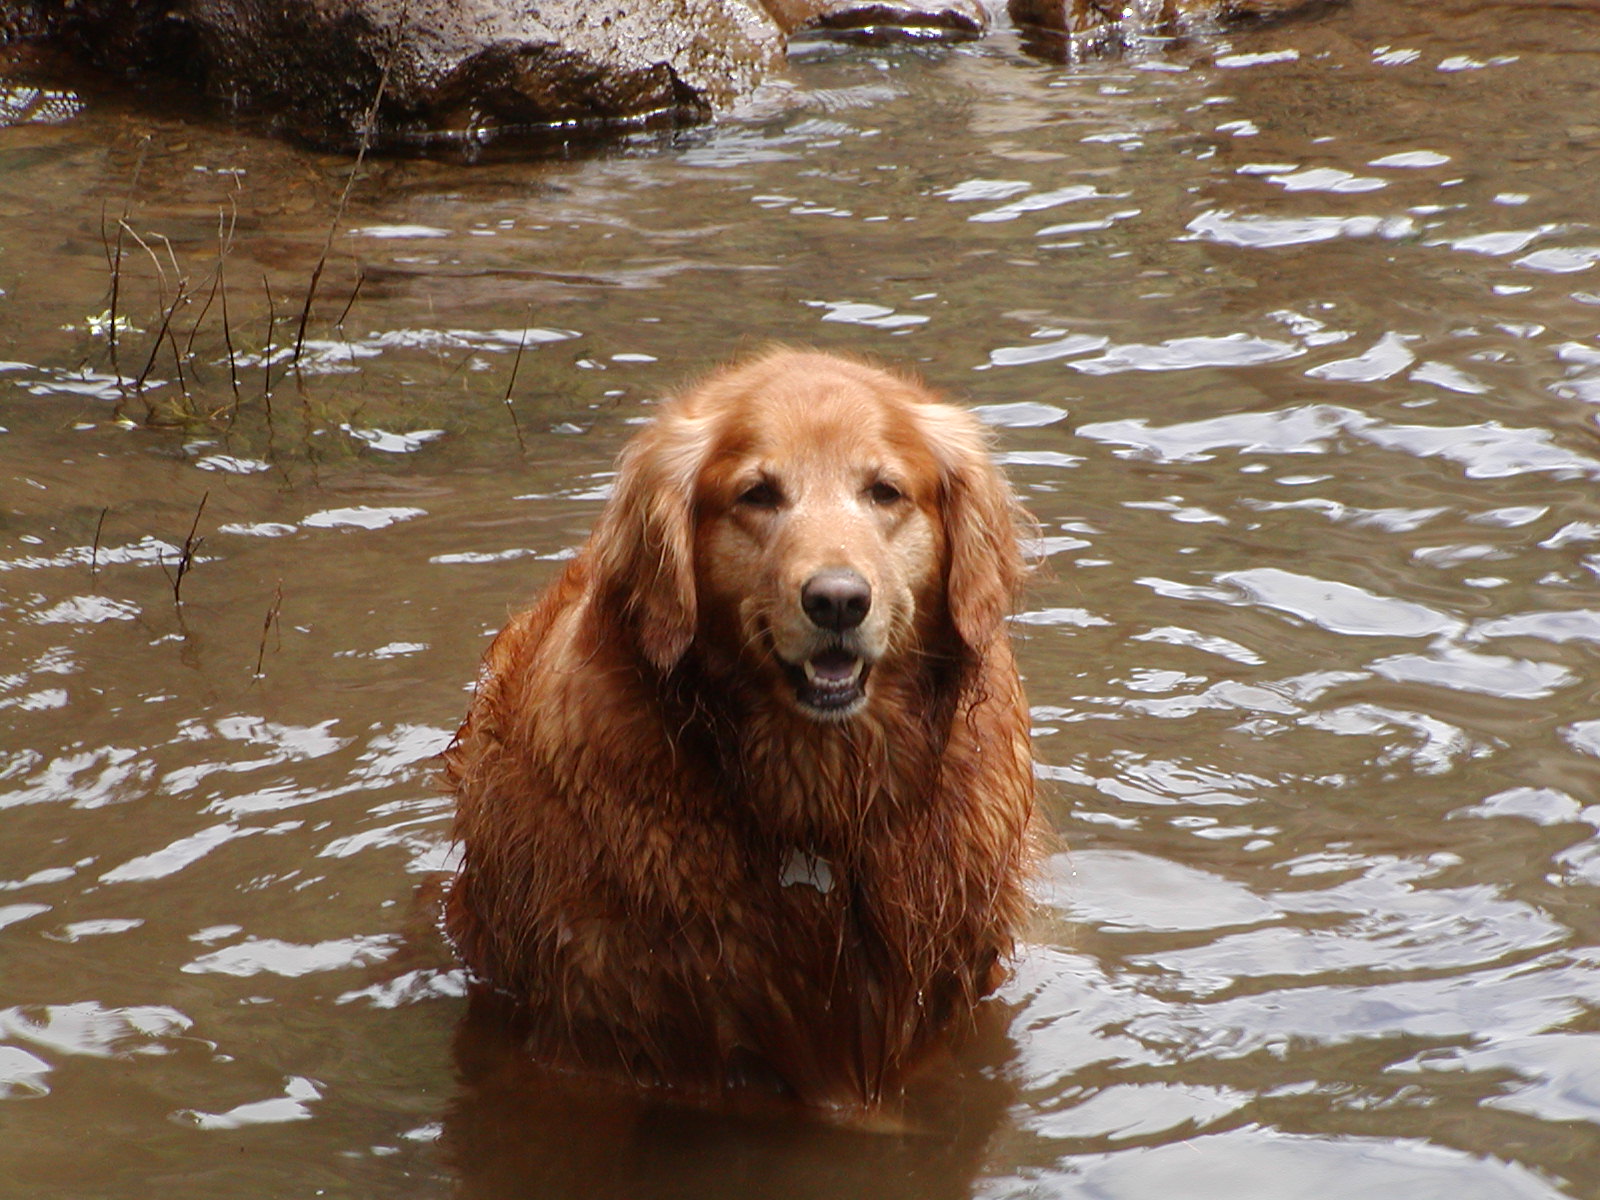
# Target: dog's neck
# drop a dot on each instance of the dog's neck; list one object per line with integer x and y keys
{"x": 821, "y": 786}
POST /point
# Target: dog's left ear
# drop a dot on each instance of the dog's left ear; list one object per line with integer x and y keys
{"x": 982, "y": 520}
{"x": 643, "y": 542}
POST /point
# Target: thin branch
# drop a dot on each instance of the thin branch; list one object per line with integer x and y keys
{"x": 266, "y": 357}
{"x": 227, "y": 339}
{"x": 161, "y": 272}
{"x": 361, "y": 278}
{"x": 114, "y": 257}
{"x": 177, "y": 362}
{"x": 155, "y": 346}
{"x": 114, "y": 264}
{"x": 272, "y": 618}
{"x": 94, "y": 550}
{"x": 191, "y": 544}
{"x": 516, "y": 362}
{"x": 369, "y": 123}
{"x": 224, "y": 244}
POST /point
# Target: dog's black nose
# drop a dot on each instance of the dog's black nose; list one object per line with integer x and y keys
{"x": 836, "y": 599}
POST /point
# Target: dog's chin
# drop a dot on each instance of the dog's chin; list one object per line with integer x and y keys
{"x": 831, "y": 685}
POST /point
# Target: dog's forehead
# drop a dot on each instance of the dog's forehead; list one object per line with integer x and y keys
{"x": 818, "y": 414}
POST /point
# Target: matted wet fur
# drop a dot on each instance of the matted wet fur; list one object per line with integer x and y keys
{"x": 745, "y": 798}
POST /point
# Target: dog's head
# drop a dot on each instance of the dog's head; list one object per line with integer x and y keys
{"x": 807, "y": 518}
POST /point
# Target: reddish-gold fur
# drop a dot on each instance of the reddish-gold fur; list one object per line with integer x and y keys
{"x": 684, "y": 875}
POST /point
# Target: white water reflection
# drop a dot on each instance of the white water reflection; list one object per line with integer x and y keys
{"x": 1558, "y": 1074}
{"x": 1325, "y": 179}
{"x": 273, "y": 956}
{"x": 1387, "y": 357}
{"x": 1125, "y": 890}
{"x": 1562, "y": 260}
{"x": 1487, "y": 451}
{"x": 1056, "y": 347}
{"x": 1411, "y": 160}
{"x": 361, "y": 516}
{"x": 1339, "y": 607}
{"x": 1182, "y": 354}
{"x": 294, "y": 1105}
{"x": 1262, "y": 231}
{"x": 86, "y": 1029}
{"x": 391, "y": 442}
{"x": 183, "y": 853}
{"x": 1042, "y": 202}
{"x": 1255, "y": 1165}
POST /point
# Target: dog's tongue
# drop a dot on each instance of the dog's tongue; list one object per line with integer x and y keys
{"x": 833, "y": 666}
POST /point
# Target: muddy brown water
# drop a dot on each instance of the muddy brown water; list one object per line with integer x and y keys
{"x": 1290, "y": 340}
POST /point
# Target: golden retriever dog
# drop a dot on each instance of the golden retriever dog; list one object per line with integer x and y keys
{"x": 744, "y": 800}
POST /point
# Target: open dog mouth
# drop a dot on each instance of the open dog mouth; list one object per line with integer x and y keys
{"x": 832, "y": 682}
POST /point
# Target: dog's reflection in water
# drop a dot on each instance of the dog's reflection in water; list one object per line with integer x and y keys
{"x": 518, "y": 1129}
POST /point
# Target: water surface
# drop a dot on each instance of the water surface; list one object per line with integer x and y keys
{"x": 1290, "y": 340}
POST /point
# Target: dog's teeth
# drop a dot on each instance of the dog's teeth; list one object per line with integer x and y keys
{"x": 818, "y": 679}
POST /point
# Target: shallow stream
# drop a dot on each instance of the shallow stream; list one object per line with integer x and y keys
{"x": 1291, "y": 341}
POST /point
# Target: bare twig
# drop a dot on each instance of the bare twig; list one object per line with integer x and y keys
{"x": 155, "y": 346}
{"x": 94, "y": 550}
{"x": 114, "y": 264}
{"x": 177, "y": 361}
{"x": 191, "y": 545}
{"x": 171, "y": 310}
{"x": 369, "y": 123}
{"x": 227, "y": 339}
{"x": 161, "y": 271}
{"x": 516, "y": 362}
{"x": 271, "y": 619}
{"x": 361, "y": 278}
{"x": 114, "y": 257}
{"x": 224, "y": 244}
{"x": 266, "y": 357}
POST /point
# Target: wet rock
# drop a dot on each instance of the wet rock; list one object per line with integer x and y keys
{"x": 883, "y": 20}
{"x": 397, "y": 74}
{"x": 427, "y": 71}
{"x": 19, "y": 21}
{"x": 1080, "y": 29}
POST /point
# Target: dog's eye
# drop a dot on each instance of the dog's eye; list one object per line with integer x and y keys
{"x": 885, "y": 493}
{"x": 761, "y": 495}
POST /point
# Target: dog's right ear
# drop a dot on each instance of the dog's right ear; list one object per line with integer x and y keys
{"x": 643, "y": 542}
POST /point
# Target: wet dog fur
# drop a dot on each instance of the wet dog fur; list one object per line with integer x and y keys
{"x": 744, "y": 800}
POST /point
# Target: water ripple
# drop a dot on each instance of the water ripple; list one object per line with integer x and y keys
{"x": 1266, "y": 231}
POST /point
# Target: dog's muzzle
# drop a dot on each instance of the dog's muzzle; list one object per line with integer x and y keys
{"x": 831, "y": 682}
